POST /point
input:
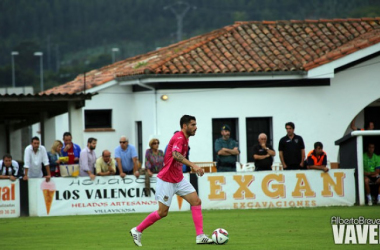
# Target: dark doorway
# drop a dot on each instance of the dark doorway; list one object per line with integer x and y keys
{"x": 372, "y": 114}
{"x": 216, "y": 127}
{"x": 256, "y": 126}
{"x": 139, "y": 140}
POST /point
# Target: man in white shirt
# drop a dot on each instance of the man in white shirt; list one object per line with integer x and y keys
{"x": 87, "y": 159}
{"x": 34, "y": 156}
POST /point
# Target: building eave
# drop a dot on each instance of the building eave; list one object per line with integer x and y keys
{"x": 226, "y": 77}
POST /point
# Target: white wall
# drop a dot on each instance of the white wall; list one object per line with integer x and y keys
{"x": 16, "y": 148}
{"x": 320, "y": 113}
{"x": 144, "y": 106}
{"x": 61, "y": 126}
{"x": 35, "y": 131}
{"x": 49, "y": 133}
{"x": 127, "y": 108}
{"x": 120, "y": 100}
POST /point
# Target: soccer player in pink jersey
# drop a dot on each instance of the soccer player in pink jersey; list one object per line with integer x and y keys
{"x": 170, "y": 181}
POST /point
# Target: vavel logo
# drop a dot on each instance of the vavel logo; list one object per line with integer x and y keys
{"x": 355, "y": 230}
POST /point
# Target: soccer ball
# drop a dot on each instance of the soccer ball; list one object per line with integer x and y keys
{"x": 220, "y": 236}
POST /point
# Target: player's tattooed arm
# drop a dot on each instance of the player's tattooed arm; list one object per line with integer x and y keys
{"x": 178, "y": 156}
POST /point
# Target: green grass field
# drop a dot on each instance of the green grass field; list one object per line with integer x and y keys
{"x": 292, "y": 228}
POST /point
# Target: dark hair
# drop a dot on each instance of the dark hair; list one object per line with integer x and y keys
{"x": 35, "y": 138}
{"x": 291, "y": 124}
{"x": 186, "y": 120}
{"x": 105, "y": 151}
{"x": 7, "y": 156}
{"x": 91, "y": 139}
{"x": 66, "y": 134}
{"x": 318, "y": 145}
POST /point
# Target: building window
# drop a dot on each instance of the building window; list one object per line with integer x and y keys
{"x": 98, "y": 119}
{"x": 256, "y": 126}
{"x": 217, "y": 124}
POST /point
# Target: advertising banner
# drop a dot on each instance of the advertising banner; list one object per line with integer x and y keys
{"x": 277, "y": 189}
{"x": 104, "y": 195}
{"x": 9, "y": 198}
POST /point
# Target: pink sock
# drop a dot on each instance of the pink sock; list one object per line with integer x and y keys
{"x": 149, "y": 220}
{"x": 196, "y": 212}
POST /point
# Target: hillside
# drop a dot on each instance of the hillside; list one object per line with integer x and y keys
{"x": 78, "y": 35}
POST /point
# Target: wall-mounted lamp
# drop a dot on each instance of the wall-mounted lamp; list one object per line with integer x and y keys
{"x": 164, "y": 97}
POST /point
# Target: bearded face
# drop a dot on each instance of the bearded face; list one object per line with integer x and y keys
{"x": 92, "y": 145}
{"x": 191, "y": 128}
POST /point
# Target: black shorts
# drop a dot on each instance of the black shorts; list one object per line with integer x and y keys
{"x": 373, "y": 179}
{"x": 293, "y": 167}
{"x": 263, "y": 168}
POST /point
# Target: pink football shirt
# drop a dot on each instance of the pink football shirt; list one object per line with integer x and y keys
{"x": 172, "y": 170}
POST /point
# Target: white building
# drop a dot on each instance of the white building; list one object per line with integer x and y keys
{"x": 254, "y": 76}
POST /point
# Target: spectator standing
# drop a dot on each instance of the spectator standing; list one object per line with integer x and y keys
{"x": 53, "y": 155}
{"x": 126, "y": 158}
{"x": 291, "y": 149}
{"x": 227, "y": 151}
{"x": 8, "y": 168}
{"x": 35, "y": 157}
{"x": 88, "y": 159}
{"x": 154, "y": 157}
{"x": 70, "y": 149}
{"x": 317, "y": 158}
{"x": 105, "y": 165}
{"x": 371, "y": 166}
{"x": 263, "y": 154}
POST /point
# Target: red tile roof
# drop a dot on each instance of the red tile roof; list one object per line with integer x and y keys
{"x": 264, "y": 46}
